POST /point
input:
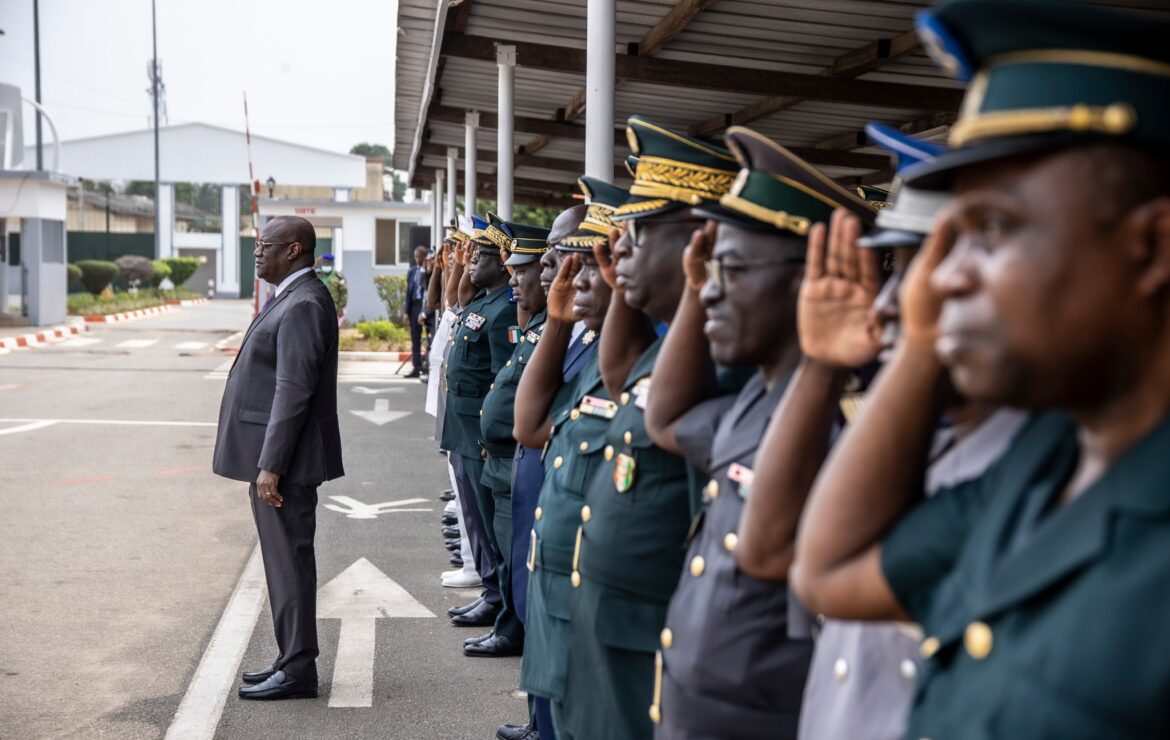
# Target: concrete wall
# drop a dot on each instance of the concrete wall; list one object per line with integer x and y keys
{"x": 364, "y": 303}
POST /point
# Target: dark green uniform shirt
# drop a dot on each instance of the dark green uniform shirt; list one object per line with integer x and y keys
{"x": 499, "y": 408}
{"x": 479, "y": 348}
{"x": 1042, "y": 620}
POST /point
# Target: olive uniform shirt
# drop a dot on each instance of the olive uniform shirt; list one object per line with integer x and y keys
{"x": 1042, "y": 619}
{"x": 335, "y": 283}
{"x": 499, "y": 408}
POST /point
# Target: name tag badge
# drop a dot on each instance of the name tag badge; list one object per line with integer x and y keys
{"x": 743, "y": 477}
{"x": 623, "y": 473}
{"x": 514, "y": 334}
{"x": 595, "y": 406}
{"x": 642, "y": 392}
{"x": 474, "y": 321}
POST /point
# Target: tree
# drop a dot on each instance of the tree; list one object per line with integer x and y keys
{"x": 97, "y": 186}
{"x": 140, "y": 187}
{"x": 370, "y": 150}
{"x": 531, "y": 215}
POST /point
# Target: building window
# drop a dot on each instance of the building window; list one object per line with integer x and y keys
{"x": 405, "y": 246}
{"x": 385, "y": 242}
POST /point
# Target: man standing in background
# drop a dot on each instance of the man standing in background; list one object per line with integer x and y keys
{"x": 335, "y": 283}
{"x": 414, "y": 310}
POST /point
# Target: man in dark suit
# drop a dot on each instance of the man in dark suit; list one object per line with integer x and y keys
{"x": 278, "y": 432}
{"x": 415, "y": 309}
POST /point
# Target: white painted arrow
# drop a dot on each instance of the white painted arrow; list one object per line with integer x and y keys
{"x": 363, "y": 390}
{"x": 358, "y": 510}
{"x": 358, "y": 596}
{"x": 381, "y": 413}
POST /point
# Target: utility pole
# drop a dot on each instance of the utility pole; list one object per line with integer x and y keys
{"x": 154, "y": 99}
{"x": 37, "y": 73}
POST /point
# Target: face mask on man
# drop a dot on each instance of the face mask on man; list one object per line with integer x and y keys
{"x": 327, "y": 269}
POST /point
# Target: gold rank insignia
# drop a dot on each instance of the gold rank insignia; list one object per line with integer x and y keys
{"x": 743, "y": 477}
{"x": 623, "y": 473}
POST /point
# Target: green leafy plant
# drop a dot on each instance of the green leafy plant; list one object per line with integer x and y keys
{"x": 97, "y": 274}
{"x": 392, "y": 290}
{"x": 182, "y": 268}
{"x": 74, "y": 273}
{"x": 392, "y": 334}
{"x": 132, "y": 269}
{"x": 161, "y": 270}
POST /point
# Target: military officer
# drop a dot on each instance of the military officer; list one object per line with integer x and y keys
{"x": 637, "y": 511}
{"x": 480, "y": 346}
{"x": 335, "y": 282}
{"x": 525, "y": 244}
{"x": 564, "y": 408}
{"x": 1046, "y": 287}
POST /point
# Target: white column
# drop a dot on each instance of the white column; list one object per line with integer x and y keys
{"x": 337, "y": 247}
{"x": 505, "y": 163}
{"x": 599, "y": 85}
{"x": 470, "y": 124}
{"x": 228, "y": 264}
{"x": 452, "y": 180}
{"x": 165, "y": 202}
{"x": 436, "y": 219}
{"x": 441, "y": 188}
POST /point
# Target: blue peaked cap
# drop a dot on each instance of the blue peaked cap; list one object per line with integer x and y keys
{"x": 907, "y": 150}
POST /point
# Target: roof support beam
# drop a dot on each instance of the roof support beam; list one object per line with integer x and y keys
{"x": 851, "y": 64}
{"x": 716, "y": 76}
{"x": 523, "y": 124}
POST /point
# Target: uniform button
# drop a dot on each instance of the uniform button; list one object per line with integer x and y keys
{"x": 492, "y": 387}
{"x": 730, "y": 541}
{"x": 667, "y": 637}
{"x": 558, "y": 462}
{"x": 575, "y": 579}
{"x": 465, "y": 339}
{"x": 609, "y": 452}
{"x": 841, "y": 670}
{"x": 929, "y": 647}
{"x": 698, "y": 564}
{"x": 977, "y": 639}
{"x": 908, "y": 669}
{"x": 575, "y": 414}
{"x": 655, "y": 714}
{"x": 583, "y": 446}
{"x": 538, "y": 513}
{"x": 586, "y": 513}
{"x": 481, "y": 412}
{"x": 508, "y": 363}
{"x": 628, "y": 437}
{"x": 625, "y": 399}
{"x": 713, "y": 489}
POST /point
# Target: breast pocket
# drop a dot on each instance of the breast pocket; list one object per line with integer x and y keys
{"x": 586, "y": 456}
{"x": 473, "y": 350}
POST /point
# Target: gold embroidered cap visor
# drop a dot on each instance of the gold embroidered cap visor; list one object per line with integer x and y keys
{"x": 1046, "y": 75}
{"x": 604, "y": 199}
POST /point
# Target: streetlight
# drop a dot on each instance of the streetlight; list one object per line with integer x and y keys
{"x": 271, "y": 183}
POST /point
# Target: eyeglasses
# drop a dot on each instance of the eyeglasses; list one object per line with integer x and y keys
{"x": 634, "y": 226}
{"x": 265, "y": 246}
{"x": 720, "y": 271}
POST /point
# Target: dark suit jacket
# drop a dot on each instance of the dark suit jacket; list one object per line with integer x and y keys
{"x": 279, "y": 409}
{"x": 413, "y": 306}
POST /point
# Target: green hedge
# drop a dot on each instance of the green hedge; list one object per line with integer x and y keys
{"x": 161, "y": 270}
{"x": 182, "y": 268}
{"x": 97, "y": 274}
{"x": 392, "y": 290}
{"x": 385, "y": 331}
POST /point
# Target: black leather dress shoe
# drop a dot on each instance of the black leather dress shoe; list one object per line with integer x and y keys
{"x": 496, "y": 646}
{"x": 280, "y": 685}
{"x": 483, "y": 615}
{"x": 481, "y": 638}
{"x": 450, "y": 520}
{"x": 447, "y": 495}
{"x": 517, "y": 732}
{"x": 450, "y": 532}
{"x": 258, "y": 676}
{"x": 453, "y": 545}
{"x": 457, "y": 610}
{"x": 457, "y": 560}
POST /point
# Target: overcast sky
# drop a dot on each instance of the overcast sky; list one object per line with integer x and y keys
{"x": 316, "y": 72}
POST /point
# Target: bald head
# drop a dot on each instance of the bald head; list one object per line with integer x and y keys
{"x": 286, "y": 245}
{"x": 566, "y": 223}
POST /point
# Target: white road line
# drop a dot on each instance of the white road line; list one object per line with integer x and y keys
{"x": 202, "y": 705}
{"x": 190, "y": 345}
{"x": 76, "y": 342}
{"x": 31, "y": 426}
{"x": 137, "y": 343}
{"x": 124, "y": 422}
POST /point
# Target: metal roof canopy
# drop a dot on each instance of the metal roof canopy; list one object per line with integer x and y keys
{"x": 808, "y": 73}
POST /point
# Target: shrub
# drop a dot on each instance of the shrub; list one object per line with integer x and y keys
{"x": 74, "y": 273}
{"x": 384, "y": 331}
{"x": 161, "y": 271}
{"x": 392, "y": 290}
{"x": 132, "y": 267}
{"x": 96, "y": 274}
{"x": 182, "y": 268}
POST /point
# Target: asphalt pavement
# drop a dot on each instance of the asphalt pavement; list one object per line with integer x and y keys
{"x": 124, "y": 561}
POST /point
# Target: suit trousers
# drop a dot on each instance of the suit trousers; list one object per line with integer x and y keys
{"x": 467, "y": 472}
{"x": 507, "y": 623}
{"x": 290, "y": 568}
{"x": 416, "y": 344}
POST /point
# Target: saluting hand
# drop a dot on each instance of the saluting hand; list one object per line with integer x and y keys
{"x": 834, "y": 309}
{"x": 696, "y": 255}
{"x": 921, "y": 304}
{"x": 605, "y": 263}
{"x": 561, "y": 293}
{"x": 266, "y": 484}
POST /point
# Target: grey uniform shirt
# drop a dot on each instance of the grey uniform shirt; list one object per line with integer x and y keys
{"x": 863, "y": 673}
